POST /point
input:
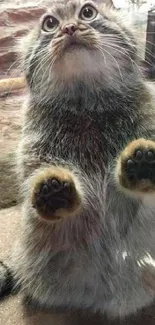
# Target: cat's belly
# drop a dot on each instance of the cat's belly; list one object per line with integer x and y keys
{"x": 115, "y": 288}
{"x": 105, "y": 275}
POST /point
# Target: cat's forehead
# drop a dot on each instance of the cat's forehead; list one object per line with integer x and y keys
{"x": 65, "y": 8}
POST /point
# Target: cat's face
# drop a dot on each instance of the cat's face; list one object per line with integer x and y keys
{"x": 78, "y": 39}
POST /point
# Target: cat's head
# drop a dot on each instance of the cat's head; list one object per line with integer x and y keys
{"x": 78, "y": 39}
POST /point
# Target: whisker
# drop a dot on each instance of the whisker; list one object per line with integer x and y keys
{"x": 151, "y": 55}
{"x": 115, "y": 62}
{"x": 47, "y": 69}
{"x": 102, "y": 51}
{"x": 115, "y": 37}
{"x": 37, "y": 59}
{"x": 11, "y": 66}
{"x": 124, "y": 52}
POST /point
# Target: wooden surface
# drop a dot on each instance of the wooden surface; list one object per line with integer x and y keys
{"x": 11, "y": 84}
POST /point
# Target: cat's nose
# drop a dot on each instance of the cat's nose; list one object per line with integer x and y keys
{"x": 69, "y": 29}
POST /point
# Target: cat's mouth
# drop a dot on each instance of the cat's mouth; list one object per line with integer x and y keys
{"x": 76, "y": 41}
{"x": 77, "y": 56}
{"x": 72, "y": 42}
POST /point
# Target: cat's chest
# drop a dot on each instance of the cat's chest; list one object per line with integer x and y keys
{"x": 76, "y": 138}
{"x": 83, "y": 138}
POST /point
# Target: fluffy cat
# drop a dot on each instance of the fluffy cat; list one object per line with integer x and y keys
{"x": 86, "y": 164}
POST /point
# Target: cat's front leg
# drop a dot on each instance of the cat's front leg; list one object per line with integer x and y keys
{"x": 55, "y": 193}
{"x": 135, "y": 173}
{"x": 135, "y": 169}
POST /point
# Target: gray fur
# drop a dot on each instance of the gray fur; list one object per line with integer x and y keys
{"x": 92, "y": 260}
{"x": 7, "y": 283}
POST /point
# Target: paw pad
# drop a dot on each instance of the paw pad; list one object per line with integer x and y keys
{"x": 55, "y": 197}
{"x": 137, "y": 165}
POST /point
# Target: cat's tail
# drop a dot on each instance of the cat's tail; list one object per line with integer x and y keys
{"x": 7, "y": 281}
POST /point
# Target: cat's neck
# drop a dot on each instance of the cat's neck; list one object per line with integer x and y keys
{"x": 80, "y": 95}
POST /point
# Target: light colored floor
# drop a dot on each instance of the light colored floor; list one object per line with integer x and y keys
{"x": 12, "y": 312}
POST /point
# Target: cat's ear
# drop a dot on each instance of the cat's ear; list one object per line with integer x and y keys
{"x": 108, "y": 3}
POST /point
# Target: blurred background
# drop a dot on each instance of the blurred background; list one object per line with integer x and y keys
{"x": 142, "y": 14}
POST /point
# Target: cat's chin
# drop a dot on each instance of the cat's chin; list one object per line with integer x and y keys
{"x": 79, "y": 62}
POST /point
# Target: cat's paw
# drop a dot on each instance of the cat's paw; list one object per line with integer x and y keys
{"x": 136, "y": 166}
{"x": 55, "y": 194}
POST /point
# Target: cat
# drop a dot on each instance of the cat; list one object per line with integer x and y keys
{"x": 86, "y": 163}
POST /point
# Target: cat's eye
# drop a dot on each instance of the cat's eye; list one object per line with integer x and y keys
{"x": 88, "y": 12}
{"x": 49, "y": 24}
